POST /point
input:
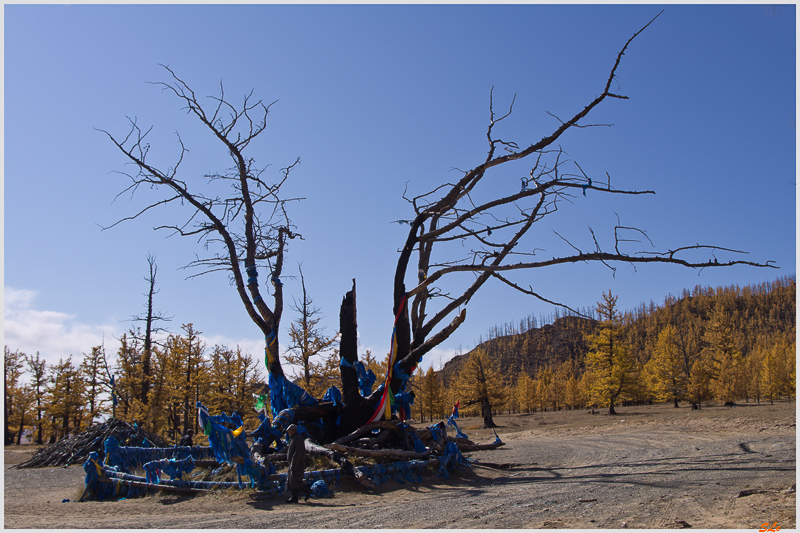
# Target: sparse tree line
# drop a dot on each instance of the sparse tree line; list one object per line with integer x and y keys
{"x": 158, "y": 383}
{"x": 67, "y": 397}
{"x": 727, "y": 344}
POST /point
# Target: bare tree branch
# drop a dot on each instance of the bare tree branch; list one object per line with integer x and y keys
{"x": 234, "y": 226}
{"x": 490, "y": 222}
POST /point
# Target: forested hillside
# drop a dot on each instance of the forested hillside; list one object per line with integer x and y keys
{"x": 726, "y": 343}
{"x": 552, "y": 344}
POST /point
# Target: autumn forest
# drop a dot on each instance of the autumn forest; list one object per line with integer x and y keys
{"x": 722, "y": 345}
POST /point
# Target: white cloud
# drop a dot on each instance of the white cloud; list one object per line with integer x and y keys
{"x": 254, "y": 347}
{"x": 58, "y": 335}
{"x": 53, "y": 334}
{"x": 437, "y": 357}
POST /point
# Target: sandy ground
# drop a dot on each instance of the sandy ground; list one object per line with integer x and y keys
{"x": 648, "y": 467}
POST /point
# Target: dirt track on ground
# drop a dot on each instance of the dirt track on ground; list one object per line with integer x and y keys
{"x": 648, "y": 467}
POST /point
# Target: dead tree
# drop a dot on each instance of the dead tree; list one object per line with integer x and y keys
{"x": 468, "y": 213}
{"x": 150, "y": 320}
{"x": 492, "y": 228}
{"x": 246, "y": 231}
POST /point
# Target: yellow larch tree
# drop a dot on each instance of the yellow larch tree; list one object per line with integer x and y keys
{"x": 432, "y": 395}
{"x": 608, "y": 359}
{"x": 669, "y": 379}
{"x": 480, "y": 382}
{"x": 727, "y": 383}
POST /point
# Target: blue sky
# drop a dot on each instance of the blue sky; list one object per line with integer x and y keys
{"x": 373, "y": 99}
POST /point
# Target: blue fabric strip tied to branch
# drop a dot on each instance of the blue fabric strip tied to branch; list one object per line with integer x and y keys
{"x": 334, "y": 395}
{"x": 174, "y": 468}
{"x": 451, "y": 460}
{"x": 252, "y": 273}
{"x": 451, "y": 422}
{"x": 366, "y": 379}
{"x": 128, "y": 458}
{"x": 398, "y": 373}
{"x": 108, "y": 480}
{"x": 284, "y": 394}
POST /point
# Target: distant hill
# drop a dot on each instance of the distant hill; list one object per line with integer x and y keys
{"x": 562, "y": 340}
{"x": 766, "y": 309}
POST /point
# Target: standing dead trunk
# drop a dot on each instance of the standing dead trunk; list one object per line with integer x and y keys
{"x": 186, "y": 398}
{"x": 21, "y": 426}
{"x": 67, "y": 407}
{"x": 150, "y": 319}
{"x": 148, "y": 334}
{"x": 356, "y": 409}
{"x": 8, "y": 437}
{"x": 348, "y": 348}
{"x": 486, "y": 411}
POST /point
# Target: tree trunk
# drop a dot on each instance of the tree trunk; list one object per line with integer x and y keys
{"x": 186, "y": 398}
{"x": 486, "y": 409}
{"x": 65, "y": 423}
{"x": 148, "y": 342}
{"x": 39, "y": 421}
{"x": 358, "y": 433}
{"x": 21, "y": 426}
{"x": 8, "y": 436}
{"x": 176, "y": 424}
{"x": 197, "y": 418}
{"x": 356, "y": 409}
{"x": 388, "y": 453}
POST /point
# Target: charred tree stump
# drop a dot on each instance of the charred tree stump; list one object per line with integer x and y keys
{"x": 357, "y": 409}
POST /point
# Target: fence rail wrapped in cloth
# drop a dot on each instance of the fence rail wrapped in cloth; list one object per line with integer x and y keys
{"x": 175, "y": 468}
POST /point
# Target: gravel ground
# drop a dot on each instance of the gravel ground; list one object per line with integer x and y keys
{"x": 649, "y": 467}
